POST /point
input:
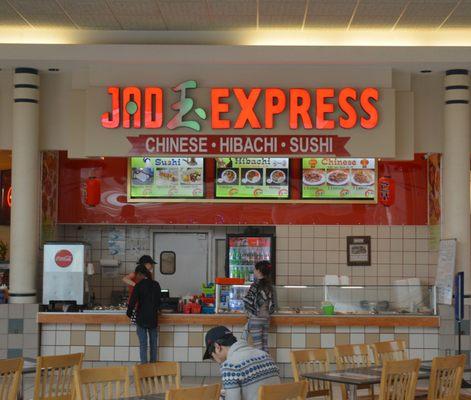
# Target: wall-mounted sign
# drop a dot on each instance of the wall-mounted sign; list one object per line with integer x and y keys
{"x": 339, "y": 179}
{"x": 306, "y": 108}
{"x": 208, "y": 121}
{"x": 359, "y": 251}
{"x": 254, "y": 178}
{"x": 165, "y": 177}
{"x": 220, "y": 145}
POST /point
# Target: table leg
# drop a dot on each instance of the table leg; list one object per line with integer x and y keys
{"x": 352, "y": 392}
{"x": 22, "y": 386}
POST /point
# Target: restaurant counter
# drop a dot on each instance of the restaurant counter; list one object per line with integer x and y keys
{"x": 430, "y": 321}
{"x": 107, "y": 337}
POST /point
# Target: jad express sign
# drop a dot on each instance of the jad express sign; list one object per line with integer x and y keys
{"x": 314, "y": 111}
{"x": 63, "y": 258}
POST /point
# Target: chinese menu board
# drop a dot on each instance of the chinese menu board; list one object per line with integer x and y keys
{"x": 166, "y": 177}
{"x": 247, "y": 177}
{"x": 339, "y": 179}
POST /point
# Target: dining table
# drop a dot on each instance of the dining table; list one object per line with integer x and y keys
{"x": 352, "y": 378}
{"x": 160, "y": 396}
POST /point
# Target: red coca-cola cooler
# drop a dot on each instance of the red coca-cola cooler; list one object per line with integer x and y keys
{"x": 64, "y": 272}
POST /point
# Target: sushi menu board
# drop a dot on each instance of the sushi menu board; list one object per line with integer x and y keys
{"x": 166, "y": 177}
{"x": 247, "y": 177}
{"x": 339, "y": 179}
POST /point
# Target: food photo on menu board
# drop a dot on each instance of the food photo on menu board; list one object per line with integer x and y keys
{"x": 339, "y": 179}
{"x": 166, "y": 177}
{"x": 247, "y": 177}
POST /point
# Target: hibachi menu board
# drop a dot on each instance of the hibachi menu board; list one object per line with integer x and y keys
{"x": 339, "y": 179}
{"x": 247, "y": 178}
{"x": 166, "y": 177}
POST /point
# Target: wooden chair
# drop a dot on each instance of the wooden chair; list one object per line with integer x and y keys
{"x": 394, "y": 350}
{"x": 353, "y": 356}
{"x": 210, "y": 392}
{"x": 399, "y": 379}
{"x": 445, "y": 377}
{"x": 312, "y": 360}
{"x": 54, "y": 376}
{"x": 101, "y": 383}
{"x": 10, "y": 378}
{"x": 156, "y": 378}
{"x": 284, "y": 391}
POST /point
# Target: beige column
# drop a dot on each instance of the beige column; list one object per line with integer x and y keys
{"x": 25, "y": 184}
{"x": 456, "y": 209}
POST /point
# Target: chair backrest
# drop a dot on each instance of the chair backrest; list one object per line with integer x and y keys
{"x": 399, "y": 379}
{"x": 352, "y": 356}
{"x": 156, "y": 377}
{"x": 101, "y": 383}
{"x": 10, "y": 378}
{"x": 307, "y": 361}
{"x": 394, "y": 350}
{"x": 54, "y": 376}
{"x": 284, "y": 391}
{"x": 210, "y": 392}
{"x": 445, "y": 377}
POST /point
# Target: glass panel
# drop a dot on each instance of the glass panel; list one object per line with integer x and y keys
{"x": 396, "y": 299}
{"x": 167, "y": 263}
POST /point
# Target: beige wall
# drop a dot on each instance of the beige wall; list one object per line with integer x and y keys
{"x": 69, "y": 119}
{"x": 306, "y": 253}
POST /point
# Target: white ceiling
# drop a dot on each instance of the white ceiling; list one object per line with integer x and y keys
{"x": 173, "y": 15}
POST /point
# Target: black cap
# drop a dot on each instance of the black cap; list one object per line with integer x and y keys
{"x": 146, "y": 259}
{"x": 220, "y": 335}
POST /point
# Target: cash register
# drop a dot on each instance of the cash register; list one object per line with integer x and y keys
{"x": 168, "y": 304}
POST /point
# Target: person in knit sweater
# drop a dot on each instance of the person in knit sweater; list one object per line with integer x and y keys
{"x": 260, "y": 303}
{"x": 243, "y": 368}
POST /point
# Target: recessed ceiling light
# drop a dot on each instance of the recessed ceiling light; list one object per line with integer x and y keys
{"x": 425, "y": 71}
{"x": 53, "y": 69}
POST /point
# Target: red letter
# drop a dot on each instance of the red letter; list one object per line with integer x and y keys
{"x": 299, "y": 110}
{"x": 131, "y": 94}
{"x": 351, "y": 120}
{"x": 217, "y": 108}
{"x": 323, "y": 108}
{"x": 369, "y": 108}
{"x": 111, "y": 120}
{"x": 247, "y": 103}
{"x": 153, "y": 114}
{"x": 271, "y": 108}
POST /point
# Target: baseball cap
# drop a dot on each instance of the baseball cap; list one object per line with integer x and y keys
{"x": 146, "y": 259}
{"x": 220, "y": 335}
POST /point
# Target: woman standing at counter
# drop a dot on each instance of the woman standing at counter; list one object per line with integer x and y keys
{"x": 260, "y": 304}
{"x": 131, "y": 279}
{"x": 145, "y": 301}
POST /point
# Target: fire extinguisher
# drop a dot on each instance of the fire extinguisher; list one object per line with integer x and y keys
{"x": 387, "y": 190}
{"x": 93, "y": 191}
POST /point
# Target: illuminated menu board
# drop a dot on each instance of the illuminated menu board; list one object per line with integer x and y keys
{"x": 252, "y": 178}
{"x": 166, "y": 177}
{"x": 339, "y": 179}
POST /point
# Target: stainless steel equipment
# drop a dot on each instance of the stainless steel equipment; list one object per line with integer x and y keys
{"x": 64, "y": 272}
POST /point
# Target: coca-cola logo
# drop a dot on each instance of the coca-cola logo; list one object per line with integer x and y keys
{"x": 63, "y": 258}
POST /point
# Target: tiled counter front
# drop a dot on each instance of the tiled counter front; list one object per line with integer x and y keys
{"x": 18, "y": 330}
{"x": 117, "y": 343}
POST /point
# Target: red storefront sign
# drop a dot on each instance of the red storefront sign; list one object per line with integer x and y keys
{"x": 63, "y": 258}
{"x": 204, "y": 145}
{"x": 312, "y": 110}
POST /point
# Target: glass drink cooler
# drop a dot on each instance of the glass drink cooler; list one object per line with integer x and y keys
{"x": 244, "y": 251}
